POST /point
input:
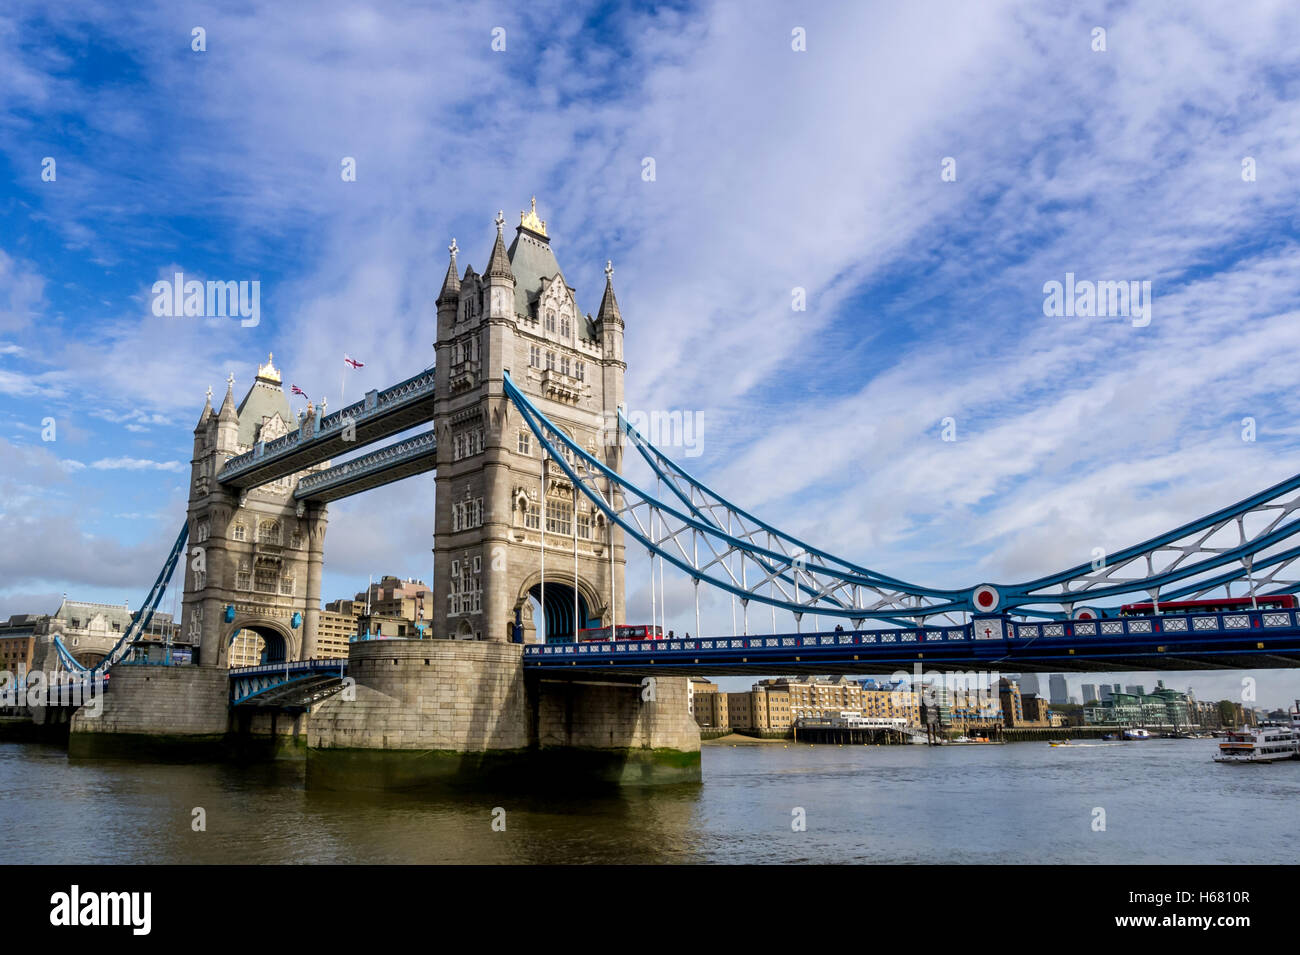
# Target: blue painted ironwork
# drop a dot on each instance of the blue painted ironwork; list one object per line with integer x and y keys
{"x": 423, "y": 446}
{"x": 414, "y": 389}
{"x": 1264, "y": 638}
{"x": 1191, "y": 561}
{"x": 140, "y": 620}
{"x": 795, "y": 582}
{"x": 292, "y": 684}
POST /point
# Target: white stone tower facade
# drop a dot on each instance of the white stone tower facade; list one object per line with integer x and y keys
{"x": 501, "y": 511}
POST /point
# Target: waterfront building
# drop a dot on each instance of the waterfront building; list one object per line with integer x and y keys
{"x": 18, "y": 640}
{"x": 965, "y": 708}
{"x": 891, "y": 701}
{"x": 1013, "y": 709}
{"x": 1163, "y": 707}
{"x": 1036, "y": 710}
{"x": 91, "y": 630}
{"x": 711, "y": 711}
{"x": 774, "y": 705}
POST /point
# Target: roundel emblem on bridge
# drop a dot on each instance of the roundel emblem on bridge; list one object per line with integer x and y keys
{"x": 985, "y": 598}
{"x": 1085, "y": 613}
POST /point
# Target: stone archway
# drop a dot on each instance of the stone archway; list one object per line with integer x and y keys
{"x": 281, "y": 642}
{"x": 558, "y": 609}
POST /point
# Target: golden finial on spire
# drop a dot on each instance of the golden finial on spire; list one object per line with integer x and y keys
{"x": 529, "y": 220}
{"x": 268, "y": 372}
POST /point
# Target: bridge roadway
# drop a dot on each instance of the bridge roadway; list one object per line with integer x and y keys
{"x": 1218, "y": 641}
{"x": 380, "y": 414}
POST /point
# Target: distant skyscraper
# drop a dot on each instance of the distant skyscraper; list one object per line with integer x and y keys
{"x": 1105, "y": 692}
{"x": 1090, "y": 692}
{"x": 1060, "y": 690}
{"x": 1135, "y": 688}
{"x": 1029, "y": 683}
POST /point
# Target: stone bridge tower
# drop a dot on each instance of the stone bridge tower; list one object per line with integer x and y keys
{"x": 257, "y": 551}
{"x": 496, "y": 498}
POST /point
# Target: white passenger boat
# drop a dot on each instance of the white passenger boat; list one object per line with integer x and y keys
{"x": 1266, "y": 743}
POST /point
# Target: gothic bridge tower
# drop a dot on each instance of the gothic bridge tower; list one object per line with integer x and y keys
{"x": 257, "y": 551}
{"x": 499, "y": 506}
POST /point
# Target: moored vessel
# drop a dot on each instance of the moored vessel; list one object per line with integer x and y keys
{"x": 1268, "y": 742}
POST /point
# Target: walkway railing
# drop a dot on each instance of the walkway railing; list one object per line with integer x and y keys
{"x": 374, "y": 403}
{"x": 377, "y": 461}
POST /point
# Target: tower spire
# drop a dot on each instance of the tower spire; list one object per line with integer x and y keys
{"x": 451, "y": 282}
{"x": 228, "y": 412}
{"x": 499, "y": 267}
{"x": 206, "y": 415}
{"x": 609, "y": 304}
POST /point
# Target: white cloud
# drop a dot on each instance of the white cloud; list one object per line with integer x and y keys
{"x": 137, "y": 464}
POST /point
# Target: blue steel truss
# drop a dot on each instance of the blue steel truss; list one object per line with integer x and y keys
{"x": 1251, "y": 548}
{"x": 400, "y": 457}
{"x": 140, "y": 620}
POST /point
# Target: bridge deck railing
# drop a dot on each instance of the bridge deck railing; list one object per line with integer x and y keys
{"x": 1176, "y": 626}
{"x": 301, "y": 666}
{"x": 414, "y": 387}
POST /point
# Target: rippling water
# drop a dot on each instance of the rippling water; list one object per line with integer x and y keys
{"x": 1165, "y": 801}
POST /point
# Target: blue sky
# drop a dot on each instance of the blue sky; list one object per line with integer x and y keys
{"x": 775, "y": 169}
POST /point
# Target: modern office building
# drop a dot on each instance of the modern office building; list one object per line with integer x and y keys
{"x": 1059, "y": 689}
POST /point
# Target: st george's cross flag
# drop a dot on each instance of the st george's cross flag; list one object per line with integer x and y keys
{"x": 353, "y": 362}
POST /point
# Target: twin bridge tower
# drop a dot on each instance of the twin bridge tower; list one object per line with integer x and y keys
{"x": 262, "y": 477}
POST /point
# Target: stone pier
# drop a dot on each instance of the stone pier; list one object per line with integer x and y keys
{"x": 156, "y": 710}
{"x": 425, "y": 712}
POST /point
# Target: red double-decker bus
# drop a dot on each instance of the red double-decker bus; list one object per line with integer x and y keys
{"x": 623, "y": 631}
{"x": 1215, "y": 605}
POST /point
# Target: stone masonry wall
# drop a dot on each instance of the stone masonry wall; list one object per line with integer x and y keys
{"x": 161, "y": 701}
{"x": 611, "y": 716}
{"x": 459, "y": 696}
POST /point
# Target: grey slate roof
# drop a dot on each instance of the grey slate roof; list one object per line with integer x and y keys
{"x": 531, "y": 260}
{"x": 262, "y": 401}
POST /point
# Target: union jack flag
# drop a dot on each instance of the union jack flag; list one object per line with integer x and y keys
{"x": 353, "y": 362}
{"x": 299, "y": 391}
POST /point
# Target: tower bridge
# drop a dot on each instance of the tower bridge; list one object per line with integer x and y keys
{"x": 532, "y": 504}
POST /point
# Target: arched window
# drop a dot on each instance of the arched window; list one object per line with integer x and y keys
{"x": 240, "y": 533}
{"x": 268, "y": 532}
{"x": 550, "y": 320}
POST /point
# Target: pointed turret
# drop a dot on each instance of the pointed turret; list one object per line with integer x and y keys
{"x": 451, "y": 283}
{"x": 609, "y": 304}
{"x": 228, "y": 421}
{"x": 206, "y": 417}
{"x": 499, "y": 267}
{"x": 228, "y": 412}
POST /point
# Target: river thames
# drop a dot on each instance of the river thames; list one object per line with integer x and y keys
{"x": 1164, "y": 801}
